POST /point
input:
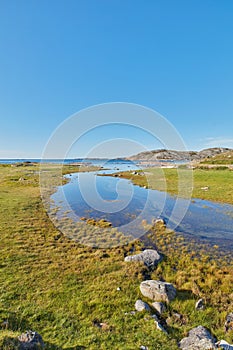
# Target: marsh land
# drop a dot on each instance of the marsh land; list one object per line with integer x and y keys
{"x": 62, "y": 289}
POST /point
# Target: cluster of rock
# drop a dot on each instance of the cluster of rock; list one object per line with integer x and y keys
{"x": 31, "y": 341}
{"x": 161, "y": 293}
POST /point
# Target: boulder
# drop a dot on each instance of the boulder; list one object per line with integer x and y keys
{"x": 159, "y": 307}
{"x": 158, "y": 290}
{"x": 31, "y": 341}
{"x": 199, "y": 338}
{"x": 141, "y": 306}
{"x": 150, "y": 257}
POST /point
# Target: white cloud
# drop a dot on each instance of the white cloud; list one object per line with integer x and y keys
{"x": 219, "y": 141}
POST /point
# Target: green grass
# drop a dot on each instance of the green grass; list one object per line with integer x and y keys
{"x": 219, "y": 182}
{"x": 57, "y": 287}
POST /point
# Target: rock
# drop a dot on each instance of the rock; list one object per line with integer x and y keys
{"x": 31, "y": 341}
{"x": 118, "y": 289}
{"x": 158, "y": 290}
{"x": 229, "y": 322}
{"x": 150, "y": 257}
{"x": 141, "y": 306}
{"x": 159, "y": 307}
{"x": 199, "y": 338}
{"x": 103, "y": 325}
{"x": 205, "y": 188}
{"x": 142, "y": 347}
{"x": 158, "y": 221}
{"x": 160, "y": 327}
{"x": 130, "y": 313}
{"x": 222, "y": 344}
{"x": 200, "y": 305}
{"x": 22, "y": 179}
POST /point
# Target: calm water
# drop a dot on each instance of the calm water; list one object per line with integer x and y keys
{"x": 126, "y": 205}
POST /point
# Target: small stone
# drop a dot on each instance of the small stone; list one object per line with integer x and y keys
{"x": 142, "y": 347}
{"x": 141, "y": 306}
{"x": 130, "y": 313}
{"x": 119, "y": 288}
{"x": 158, "y": 290}
{"x": 159, "y": 307}
{"x": 199, "y": 305}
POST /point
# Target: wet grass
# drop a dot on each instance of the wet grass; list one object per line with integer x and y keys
{"x": 59, "y": 288}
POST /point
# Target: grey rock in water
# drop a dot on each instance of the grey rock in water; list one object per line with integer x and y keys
{"x": 150, "y": 257}
{"x": 199, "y": 338}
{"x": 158, "y": 290}
{"x": 141, "y": 306}
{"x": 159, "y": 307}
{"x": 200, "y": 305}
{"x": 31, "y": 341}
{"x": 158, "y": 221}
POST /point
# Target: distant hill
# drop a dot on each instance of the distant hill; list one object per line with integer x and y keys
{"x": 222, "y": 158}
{"x": 163, "y": 154}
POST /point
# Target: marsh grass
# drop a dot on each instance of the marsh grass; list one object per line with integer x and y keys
{"x": 218, "y": 181}
{"x": 58, "y": 287}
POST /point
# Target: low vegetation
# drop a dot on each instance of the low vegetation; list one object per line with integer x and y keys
{"x": 209, "y": 184}
{"x": 63, "y": 290}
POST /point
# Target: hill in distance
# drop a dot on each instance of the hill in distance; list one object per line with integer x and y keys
{"x": 163, "y": 154}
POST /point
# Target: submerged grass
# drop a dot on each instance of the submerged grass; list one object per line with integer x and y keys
{"x": 59, "y": 288}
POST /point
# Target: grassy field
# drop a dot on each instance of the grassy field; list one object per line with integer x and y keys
{"x": 62, "y": 290}
{"x": 219, "y": 182}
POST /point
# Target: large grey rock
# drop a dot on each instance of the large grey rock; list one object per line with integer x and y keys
{"x": 150, "y": 257}
{"x": 31, "y": 341}
{"x": 158, "y": 290}
{"x": 141, "y": 306}
{"x": 199, "y": 338}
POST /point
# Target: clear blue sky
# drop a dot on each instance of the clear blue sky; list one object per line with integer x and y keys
{"x": 58, "y": 56}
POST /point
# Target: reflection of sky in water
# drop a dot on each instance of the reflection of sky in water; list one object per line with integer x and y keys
{"x": 118, "y": 201}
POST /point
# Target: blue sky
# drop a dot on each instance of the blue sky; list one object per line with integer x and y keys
{"x": 58, "y": 57}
